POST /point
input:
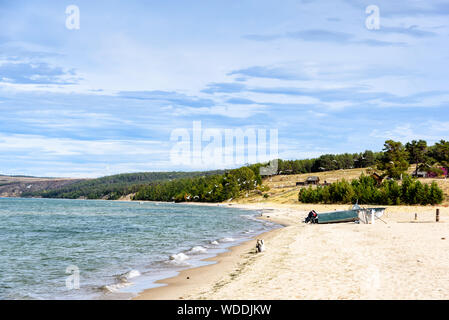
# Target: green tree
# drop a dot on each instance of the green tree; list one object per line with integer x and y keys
{"x": 367, "y": 159}
{"x": 440, "y": 152}
{"x": 435, "y": 194}
{"x": 417, "y": 151}
{"x": 394, "y": 160}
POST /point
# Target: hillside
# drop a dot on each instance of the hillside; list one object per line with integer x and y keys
{"x": 15, "y": 186}
{"x": 283, "y": 189}
{"x": 109, "y": 188}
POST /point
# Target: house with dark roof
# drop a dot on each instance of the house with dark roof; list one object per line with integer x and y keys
{"x": 313, "y": 180}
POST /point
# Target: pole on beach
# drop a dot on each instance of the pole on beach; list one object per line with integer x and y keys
{"x": 416, "y": 216}
{"x": 437, "y": 218}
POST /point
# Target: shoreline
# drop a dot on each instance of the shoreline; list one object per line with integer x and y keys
{"x": 193, "y": 281}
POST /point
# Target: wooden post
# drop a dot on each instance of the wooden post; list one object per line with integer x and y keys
{"x": 416, "y": 216}
{"x": 438, "y": 215}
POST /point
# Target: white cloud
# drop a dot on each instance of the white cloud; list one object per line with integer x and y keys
{"x": 46, "y": 146}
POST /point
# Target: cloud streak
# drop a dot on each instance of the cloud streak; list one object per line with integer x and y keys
{"x": 325, "y": 36}
{"x": 36, "y": 73}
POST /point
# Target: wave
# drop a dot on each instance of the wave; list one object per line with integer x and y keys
{"x": 116, "y": 287}
{"x": 215, "y": 243}
{"x": 123, "y": 281}
{"x": 179, "y": 259}
{"x": 250, "y": 217}
{"x": 128, "y": 275}
{"x": 227, "y": 239}
{"x": 197, "y": 250}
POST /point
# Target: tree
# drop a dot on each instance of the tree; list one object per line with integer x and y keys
{"x": 417, "y": 151}
{"x": 368, "y": 159}
{"x": 394, "y": 160}
{"x": 436, "y": 195}
{"x": 440, "y": 152}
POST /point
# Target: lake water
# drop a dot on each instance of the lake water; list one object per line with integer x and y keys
{"x": 117, "y": 248}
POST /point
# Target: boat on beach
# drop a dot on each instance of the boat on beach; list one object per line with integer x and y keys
{"x": 338, "y": 216}
{"x": 356, "y": 214}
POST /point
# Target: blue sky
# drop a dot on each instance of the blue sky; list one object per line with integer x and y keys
{"x": 104, "y": 99}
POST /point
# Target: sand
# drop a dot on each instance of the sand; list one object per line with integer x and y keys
{"x": 397, "y": 259}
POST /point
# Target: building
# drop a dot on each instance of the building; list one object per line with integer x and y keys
{"x": 421, "y": 174}
{"x": 377, "y": 177}
{"x": 312, "y": 180}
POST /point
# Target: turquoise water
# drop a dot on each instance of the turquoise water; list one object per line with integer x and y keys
{"x": 41, "y": 238}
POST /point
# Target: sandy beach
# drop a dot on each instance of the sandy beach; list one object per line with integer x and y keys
{"x": 397, "y": 258}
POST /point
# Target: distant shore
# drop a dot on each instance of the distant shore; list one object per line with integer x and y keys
{"x": 399, "y": 258}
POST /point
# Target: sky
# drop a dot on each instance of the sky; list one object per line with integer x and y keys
{"x": 106, "y": 97}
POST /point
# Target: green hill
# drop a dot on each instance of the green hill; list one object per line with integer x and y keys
{"x": 113, "y": 187}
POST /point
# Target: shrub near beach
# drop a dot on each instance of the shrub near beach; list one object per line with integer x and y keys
{"x": 365, "y": 190}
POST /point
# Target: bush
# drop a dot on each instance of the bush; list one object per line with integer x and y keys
{"x": 435, "y": 194}
{"x": 436, "y": 171}
{"x": 366, "y": 191}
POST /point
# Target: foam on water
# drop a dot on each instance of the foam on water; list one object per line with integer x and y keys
{"x": 179, "y": 257}
{"x": 197, "y": 250}
{"x": 227, "y": 239}
{"x": 116, "y": 287}
{"x": 129, "y": 275}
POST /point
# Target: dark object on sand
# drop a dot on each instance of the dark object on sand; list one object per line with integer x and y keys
{"x": 260, "y": 246}
{"x": 312, "y": 217}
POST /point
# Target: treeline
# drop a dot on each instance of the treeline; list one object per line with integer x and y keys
{"x": 396, "y": 157}
{"x": 213, "y": 188}
{"x": 329, "y": 162}
{"x": 220, "y": 185}
{"x": 114, "y": 187}
{"x": 366, "y": 190}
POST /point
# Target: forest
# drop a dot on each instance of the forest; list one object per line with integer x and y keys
{"x": 114, "y": 187}
{"x": 212, "y": 188}
{"x": 329, "y": 162}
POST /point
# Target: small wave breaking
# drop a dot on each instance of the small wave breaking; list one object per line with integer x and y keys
{"x": 197, "y": 250}
{"x": 123, "y": 281}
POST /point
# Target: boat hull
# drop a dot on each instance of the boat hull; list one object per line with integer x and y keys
{"x": 338, "y": 216}
{"x": 357, "y": 214}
